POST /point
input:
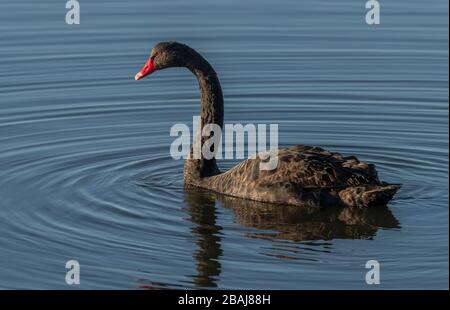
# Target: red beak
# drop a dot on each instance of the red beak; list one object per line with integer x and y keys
{"x": 148, "y": 68}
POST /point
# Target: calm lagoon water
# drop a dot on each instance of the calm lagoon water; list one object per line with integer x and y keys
{"x": 85, "y": 169}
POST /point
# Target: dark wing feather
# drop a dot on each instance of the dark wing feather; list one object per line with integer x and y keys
{"x": 304, "y": 175}
{"x": 304, "y": 166}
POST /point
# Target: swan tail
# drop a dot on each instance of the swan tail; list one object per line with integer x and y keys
{"x": 368, "y": 195}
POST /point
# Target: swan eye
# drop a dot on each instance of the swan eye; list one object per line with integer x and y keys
{"x": 153, "y": 54}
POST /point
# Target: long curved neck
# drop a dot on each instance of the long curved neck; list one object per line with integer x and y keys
{"x": 210, "y": 92}
{"x": 211, "y": 112}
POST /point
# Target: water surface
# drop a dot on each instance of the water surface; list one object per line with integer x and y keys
{"x": 85, "y": 169}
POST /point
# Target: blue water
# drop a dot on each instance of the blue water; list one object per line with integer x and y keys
{"x": 85, "y": 169}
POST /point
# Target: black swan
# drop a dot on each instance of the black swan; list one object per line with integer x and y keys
{"x": 304, "y": 176}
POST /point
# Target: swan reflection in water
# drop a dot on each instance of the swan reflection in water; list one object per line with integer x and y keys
{"x": 290, "y": 223}
{"x": 272, "y": 222}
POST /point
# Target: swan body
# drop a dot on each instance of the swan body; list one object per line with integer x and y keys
{"x": 304, "y": 176}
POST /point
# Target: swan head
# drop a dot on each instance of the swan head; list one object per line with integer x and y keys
{"x": 166, "y": 55}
